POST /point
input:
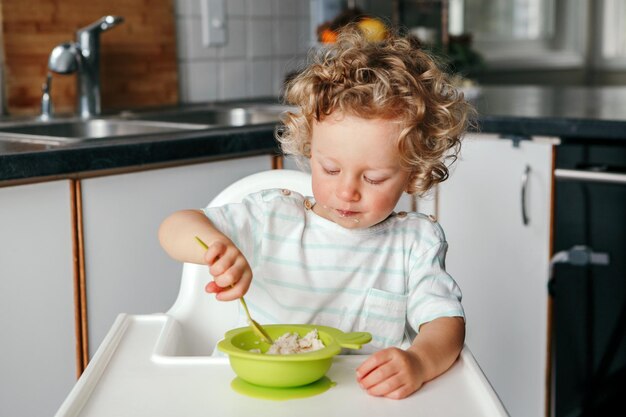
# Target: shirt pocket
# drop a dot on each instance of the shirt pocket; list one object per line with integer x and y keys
{"x": 384, "y": 316}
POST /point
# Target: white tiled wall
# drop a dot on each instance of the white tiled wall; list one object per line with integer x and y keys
{"x": 265, "y": 39}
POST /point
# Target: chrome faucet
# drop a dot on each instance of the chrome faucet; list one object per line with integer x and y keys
{"x": 83, "y": 57}
{"x": 46, "y": 101}
{"x": 88, "y": 40}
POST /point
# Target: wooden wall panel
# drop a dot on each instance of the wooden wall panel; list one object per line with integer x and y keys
{"x": 138, "y": 57}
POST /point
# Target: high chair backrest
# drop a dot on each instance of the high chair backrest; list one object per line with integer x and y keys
{"x": 203, "y": 319}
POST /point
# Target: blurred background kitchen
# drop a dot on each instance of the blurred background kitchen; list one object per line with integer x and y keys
{"x": 555, "y": 66}
{"x": 163, "y": 53}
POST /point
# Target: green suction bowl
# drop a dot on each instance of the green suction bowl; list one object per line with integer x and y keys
{"x": 278, "y": 374}
{"x": 283, "y": 371}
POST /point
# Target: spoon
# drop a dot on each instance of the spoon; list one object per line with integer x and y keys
{"x": 256, "y": 327}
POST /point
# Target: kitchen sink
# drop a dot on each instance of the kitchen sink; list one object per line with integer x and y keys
{"x": 220, "y": 116}
{"x": 82, "y": 130}
{"x": 134, "y": 124}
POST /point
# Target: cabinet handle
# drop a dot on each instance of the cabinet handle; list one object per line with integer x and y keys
{"x": 590, "y": 176}
{"x": 525, "y": 176}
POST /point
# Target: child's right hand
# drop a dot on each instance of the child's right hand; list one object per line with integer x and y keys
{"x": 230, "y": 269}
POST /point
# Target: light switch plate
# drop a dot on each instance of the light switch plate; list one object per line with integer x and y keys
{"x": 213, "y": 14}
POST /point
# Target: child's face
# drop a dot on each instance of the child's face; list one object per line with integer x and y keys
{"x": 355, "y": 166}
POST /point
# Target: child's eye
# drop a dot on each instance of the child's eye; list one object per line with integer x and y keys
{"x": 331, "y": 171}
{"x": 373, "y": 181}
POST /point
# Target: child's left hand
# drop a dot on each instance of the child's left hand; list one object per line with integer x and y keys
{"x": 392, "y": 373}
{"x": 396, "y": 373}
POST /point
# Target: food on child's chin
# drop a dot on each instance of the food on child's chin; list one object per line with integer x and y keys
{"x": 290, "y": 343}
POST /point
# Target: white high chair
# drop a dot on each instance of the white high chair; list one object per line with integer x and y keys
{"x": 204, "y": 319}
{"x": 161, "y": 365}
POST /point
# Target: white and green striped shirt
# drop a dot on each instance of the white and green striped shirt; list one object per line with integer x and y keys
{"x": 387, "y": 279}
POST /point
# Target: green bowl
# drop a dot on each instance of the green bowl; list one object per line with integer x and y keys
{"x": 282, "y": 371}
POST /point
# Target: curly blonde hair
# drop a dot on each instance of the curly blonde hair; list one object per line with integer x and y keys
{"x": 394, "y": 79}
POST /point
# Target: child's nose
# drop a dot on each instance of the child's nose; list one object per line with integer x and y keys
{"x": 348, "y": 190}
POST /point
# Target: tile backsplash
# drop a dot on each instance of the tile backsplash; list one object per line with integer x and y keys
{"x": 265, "y": 40}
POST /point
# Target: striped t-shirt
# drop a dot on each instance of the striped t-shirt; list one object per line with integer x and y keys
{"x": 387, "y": 279}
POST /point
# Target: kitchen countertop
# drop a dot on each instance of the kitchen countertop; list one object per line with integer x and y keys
{"x": 571, "y": 113}
{"x": 23, "y": 161}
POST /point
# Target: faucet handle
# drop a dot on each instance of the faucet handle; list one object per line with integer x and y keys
{"x": 45, "y": 87}
{"x": 103, "y": 24}
{"x": 64, "y": 58}
{"x": 46, "y": 99}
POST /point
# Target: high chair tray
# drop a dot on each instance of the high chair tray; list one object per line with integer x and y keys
{"x": 126, "y": 378}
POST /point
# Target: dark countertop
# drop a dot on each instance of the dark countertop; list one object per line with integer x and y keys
{"x": 26, "y": 161}
{"x": 571, "y": 113}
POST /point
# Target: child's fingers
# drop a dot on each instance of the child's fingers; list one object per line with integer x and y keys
{"x": 371, "y": 363}
{"x": 381, "y": 380}
{"x": 214, "y": 253}
{"x": 378, "y": 375}
{"x": 239, "y": 289}
{"x": 389, "y": 373}
{"x": 386, "y": 386}
{"x": 228, "y": 270}
{"x": 213, "y": 288}
{"x": 402, "y": 392}
{"x": 217, "y": 259}
{"x": 223, "y": 265}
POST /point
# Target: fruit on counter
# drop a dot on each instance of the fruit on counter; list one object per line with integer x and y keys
{"x": 328, "y": 36}
{"x": 374, "y": 29}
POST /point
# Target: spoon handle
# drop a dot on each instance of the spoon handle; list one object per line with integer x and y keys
{"x": 201, "y": 242}
{"x": 245, "y": 307}
{"x": 256, "y": 327}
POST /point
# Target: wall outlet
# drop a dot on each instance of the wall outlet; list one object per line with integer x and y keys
{"x": 213, "y": 14}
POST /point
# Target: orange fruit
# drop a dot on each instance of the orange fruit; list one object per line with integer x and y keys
{"x": 373, "y": 29}
{"x": 328, "y": 36}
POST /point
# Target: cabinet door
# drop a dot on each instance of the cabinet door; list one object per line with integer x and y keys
{"x": 37, "y": 353}
{"x": 126, "y": 269}
{"x": 500, "y": 263}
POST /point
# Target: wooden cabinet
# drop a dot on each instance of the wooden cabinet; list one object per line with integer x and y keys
{"x": 37, "y": 359}
{"x": 500, "y": 263}
{"x": 126, "y": 269}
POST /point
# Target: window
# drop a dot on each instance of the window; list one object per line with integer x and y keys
{"x": 510, "y": 20}
{"x": 528, "y": 33}
{"x": 612, "y": 40}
